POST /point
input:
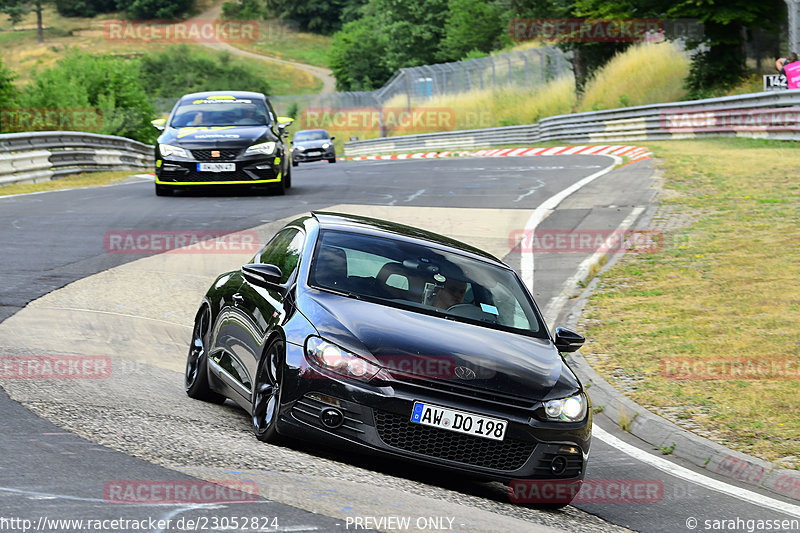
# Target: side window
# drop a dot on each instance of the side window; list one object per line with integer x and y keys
{"x": 283, "y": 251}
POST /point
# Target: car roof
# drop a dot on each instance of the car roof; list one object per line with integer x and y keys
{"x": 312, "y": 131}
{"x": 235, "y": 94}
{"x": 374, "y": 226}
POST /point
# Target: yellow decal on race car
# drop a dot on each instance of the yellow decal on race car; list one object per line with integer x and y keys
{"x": 189, "y": 130}
{"x": 158, "y": 163}
{"x": 277, "y": 160}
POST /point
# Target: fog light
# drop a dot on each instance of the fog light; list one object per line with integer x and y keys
{"x": 559, "y": 465}
{"x": 333, "y": 418}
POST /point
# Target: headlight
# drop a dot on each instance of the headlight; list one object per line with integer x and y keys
{"x": 572, "y": 409}
{"x": 300, "y": 148}
{"x": 326, "y": 146}
{"x": 331, "y": 357}
{"x": 168, "y": 150}
{"x": 267, "y": 148}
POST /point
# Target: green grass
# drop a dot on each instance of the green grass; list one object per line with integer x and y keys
{"x": 278, "y": 40}
{"x": 86, "y": 179}
{"x": 724, "y": 287}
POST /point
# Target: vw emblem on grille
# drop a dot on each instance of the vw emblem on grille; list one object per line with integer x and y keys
{"x": 464, "y": 373}
{"x": 214, "y": 153}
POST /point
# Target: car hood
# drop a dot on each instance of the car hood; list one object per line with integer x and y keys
{"x": 311, "y": 144}
{"x": 429, "y": 347}
{"x": 216, "y": 136}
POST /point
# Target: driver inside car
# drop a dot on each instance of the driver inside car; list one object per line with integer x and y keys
{"x": 451, "y": 294}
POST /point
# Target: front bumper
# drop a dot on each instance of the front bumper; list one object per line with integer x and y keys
{"x": 248, "y": 171}
{"x": 377, "y": 421}
{"x": 312, "y": 155}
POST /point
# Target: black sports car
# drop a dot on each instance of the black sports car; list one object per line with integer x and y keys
{"x": 222, "y": 138}
{"x": 397, "y": 341}
{"x": 312, "y": 145}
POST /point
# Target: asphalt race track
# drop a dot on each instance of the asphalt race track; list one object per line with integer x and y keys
{"x": 65, "y": 292}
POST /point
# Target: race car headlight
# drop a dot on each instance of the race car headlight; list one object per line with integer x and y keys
{"x": 330, "y": 357}
{"x": 168, "y": 150}
{"x": 300, "y": 148}
{"x": 572, "y": 409}
{"x": 267, "y": 148}
{"x": 326, "y": 146}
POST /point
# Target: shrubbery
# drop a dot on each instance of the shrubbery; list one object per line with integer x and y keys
{"x": 123, "y": 89}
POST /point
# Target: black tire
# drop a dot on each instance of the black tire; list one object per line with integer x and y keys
{"x": 288, "y": 178}
{"x": 266, "y": 397}
{"x": 295, "y": 163}
{"x": 163, "y": 190}
{"x": 332, "y": 160}
{"x": 195, "y": 378}
{"x": 280, "y": 189}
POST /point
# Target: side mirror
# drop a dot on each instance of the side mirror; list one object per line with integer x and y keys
{"x": 332, "y": 138}
{"x": 568, "y": 341}
{"x": 284, "y": 122}
{"x": 160, "y": 124}
{"x": 262, "y": 275}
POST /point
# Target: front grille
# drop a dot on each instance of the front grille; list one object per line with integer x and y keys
{"x": 397, "y": 431}
{"x": 199, "y": 177}
{"x": 224, "y": 155}
{"x": 456, "y": 390}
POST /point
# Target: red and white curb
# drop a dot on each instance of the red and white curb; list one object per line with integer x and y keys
{"x": 629, "y": 152}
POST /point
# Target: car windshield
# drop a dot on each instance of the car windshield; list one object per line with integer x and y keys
{"x": 423, "y": 279}
{"x": 238, "y": 112}
{"x": 310, "y": 136}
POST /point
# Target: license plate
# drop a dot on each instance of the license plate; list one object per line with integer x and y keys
{"x": 458, "y": 421}
{"x": 314, "y": 153}
{"x": 216, "y": 167}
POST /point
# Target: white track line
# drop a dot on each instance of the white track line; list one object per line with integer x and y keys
{"x": 526, "y": 270}
{"x": 557, "y": 303}
{"x": 695, "y": 477}
{"x": 544, "y": 209}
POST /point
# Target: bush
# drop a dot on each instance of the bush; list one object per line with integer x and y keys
{"x": 243, "y": 10}
{"x": 155, "y": 9}
{"x": 84, "y": 8}
{"x": 182, "y": 69}
{"x": 110, "y": 84}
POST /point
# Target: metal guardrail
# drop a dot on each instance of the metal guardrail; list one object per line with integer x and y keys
{"x": 767, "y": 115}
{"x": 46, "y": 155}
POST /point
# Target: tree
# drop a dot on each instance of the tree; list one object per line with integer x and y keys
{"x": 357, "y": 56}
{"x": 586, "y": 56}
{"x": 472, "y": 25}
{"x": 312, "y": 15}
{"x": 17, "y": 9}
{"x": 412, "y": 30}
{"x": 722, "y": 64}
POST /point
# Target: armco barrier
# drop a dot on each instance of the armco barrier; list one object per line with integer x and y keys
{"x": 768, "y": 115}
{"x": 41, "y": 156}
